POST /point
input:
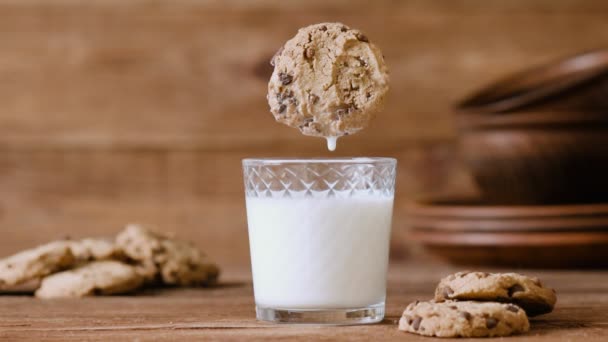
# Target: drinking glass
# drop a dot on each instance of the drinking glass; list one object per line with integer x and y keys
{"x": 319, "y": 233}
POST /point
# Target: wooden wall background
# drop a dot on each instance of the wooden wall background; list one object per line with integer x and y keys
{"x": 115, "y": 111}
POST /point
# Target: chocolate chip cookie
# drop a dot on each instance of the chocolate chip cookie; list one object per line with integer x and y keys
{"x": 95, "y": 278}
{"x": 527, "y": 292}
{"x": 94, "y": 249}
{"x": 328, "y": 81}
{"x": 165, "y": 259}
{"x": 35, "y": 263}
{"x": 463, "y": 319}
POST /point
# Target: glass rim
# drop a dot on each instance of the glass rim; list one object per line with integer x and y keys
{"x": 321, "y": 160}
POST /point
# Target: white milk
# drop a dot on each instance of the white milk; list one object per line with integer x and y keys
{"x": 331, "y": 143}
{"x": 319, "y": 253}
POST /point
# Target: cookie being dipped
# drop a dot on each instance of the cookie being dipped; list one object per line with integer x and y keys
{"x": 328, "y": 81}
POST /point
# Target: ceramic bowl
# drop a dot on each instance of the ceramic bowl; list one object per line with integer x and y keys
{"x": 541, "y": 136}
{"x": 470, "y": 232}
{"x": 520, "y": 249}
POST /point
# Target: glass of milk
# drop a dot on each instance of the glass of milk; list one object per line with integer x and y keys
{"x": 319, "y": 233}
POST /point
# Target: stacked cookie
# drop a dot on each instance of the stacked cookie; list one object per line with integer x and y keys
{"x": 137, "y": 257}
{"x": 479, "y": 304}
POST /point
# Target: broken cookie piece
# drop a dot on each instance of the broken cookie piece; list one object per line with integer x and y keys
{"x": 165, "y": 259}
{"x": 91, "y": 249}
{"x": 35, "y": 263}
{"x": 95, "y": 278}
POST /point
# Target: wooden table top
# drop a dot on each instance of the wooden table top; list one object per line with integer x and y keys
{"x": 227, "y": 312}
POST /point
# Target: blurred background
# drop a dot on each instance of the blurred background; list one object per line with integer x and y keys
{"x": 117, "y": 111}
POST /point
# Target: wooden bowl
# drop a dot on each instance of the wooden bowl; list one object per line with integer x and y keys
{"x": 541, "y": 136}
{"x": 536, "y": 250}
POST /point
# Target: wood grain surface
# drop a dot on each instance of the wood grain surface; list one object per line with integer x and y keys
{"x": 227, "y": 313}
